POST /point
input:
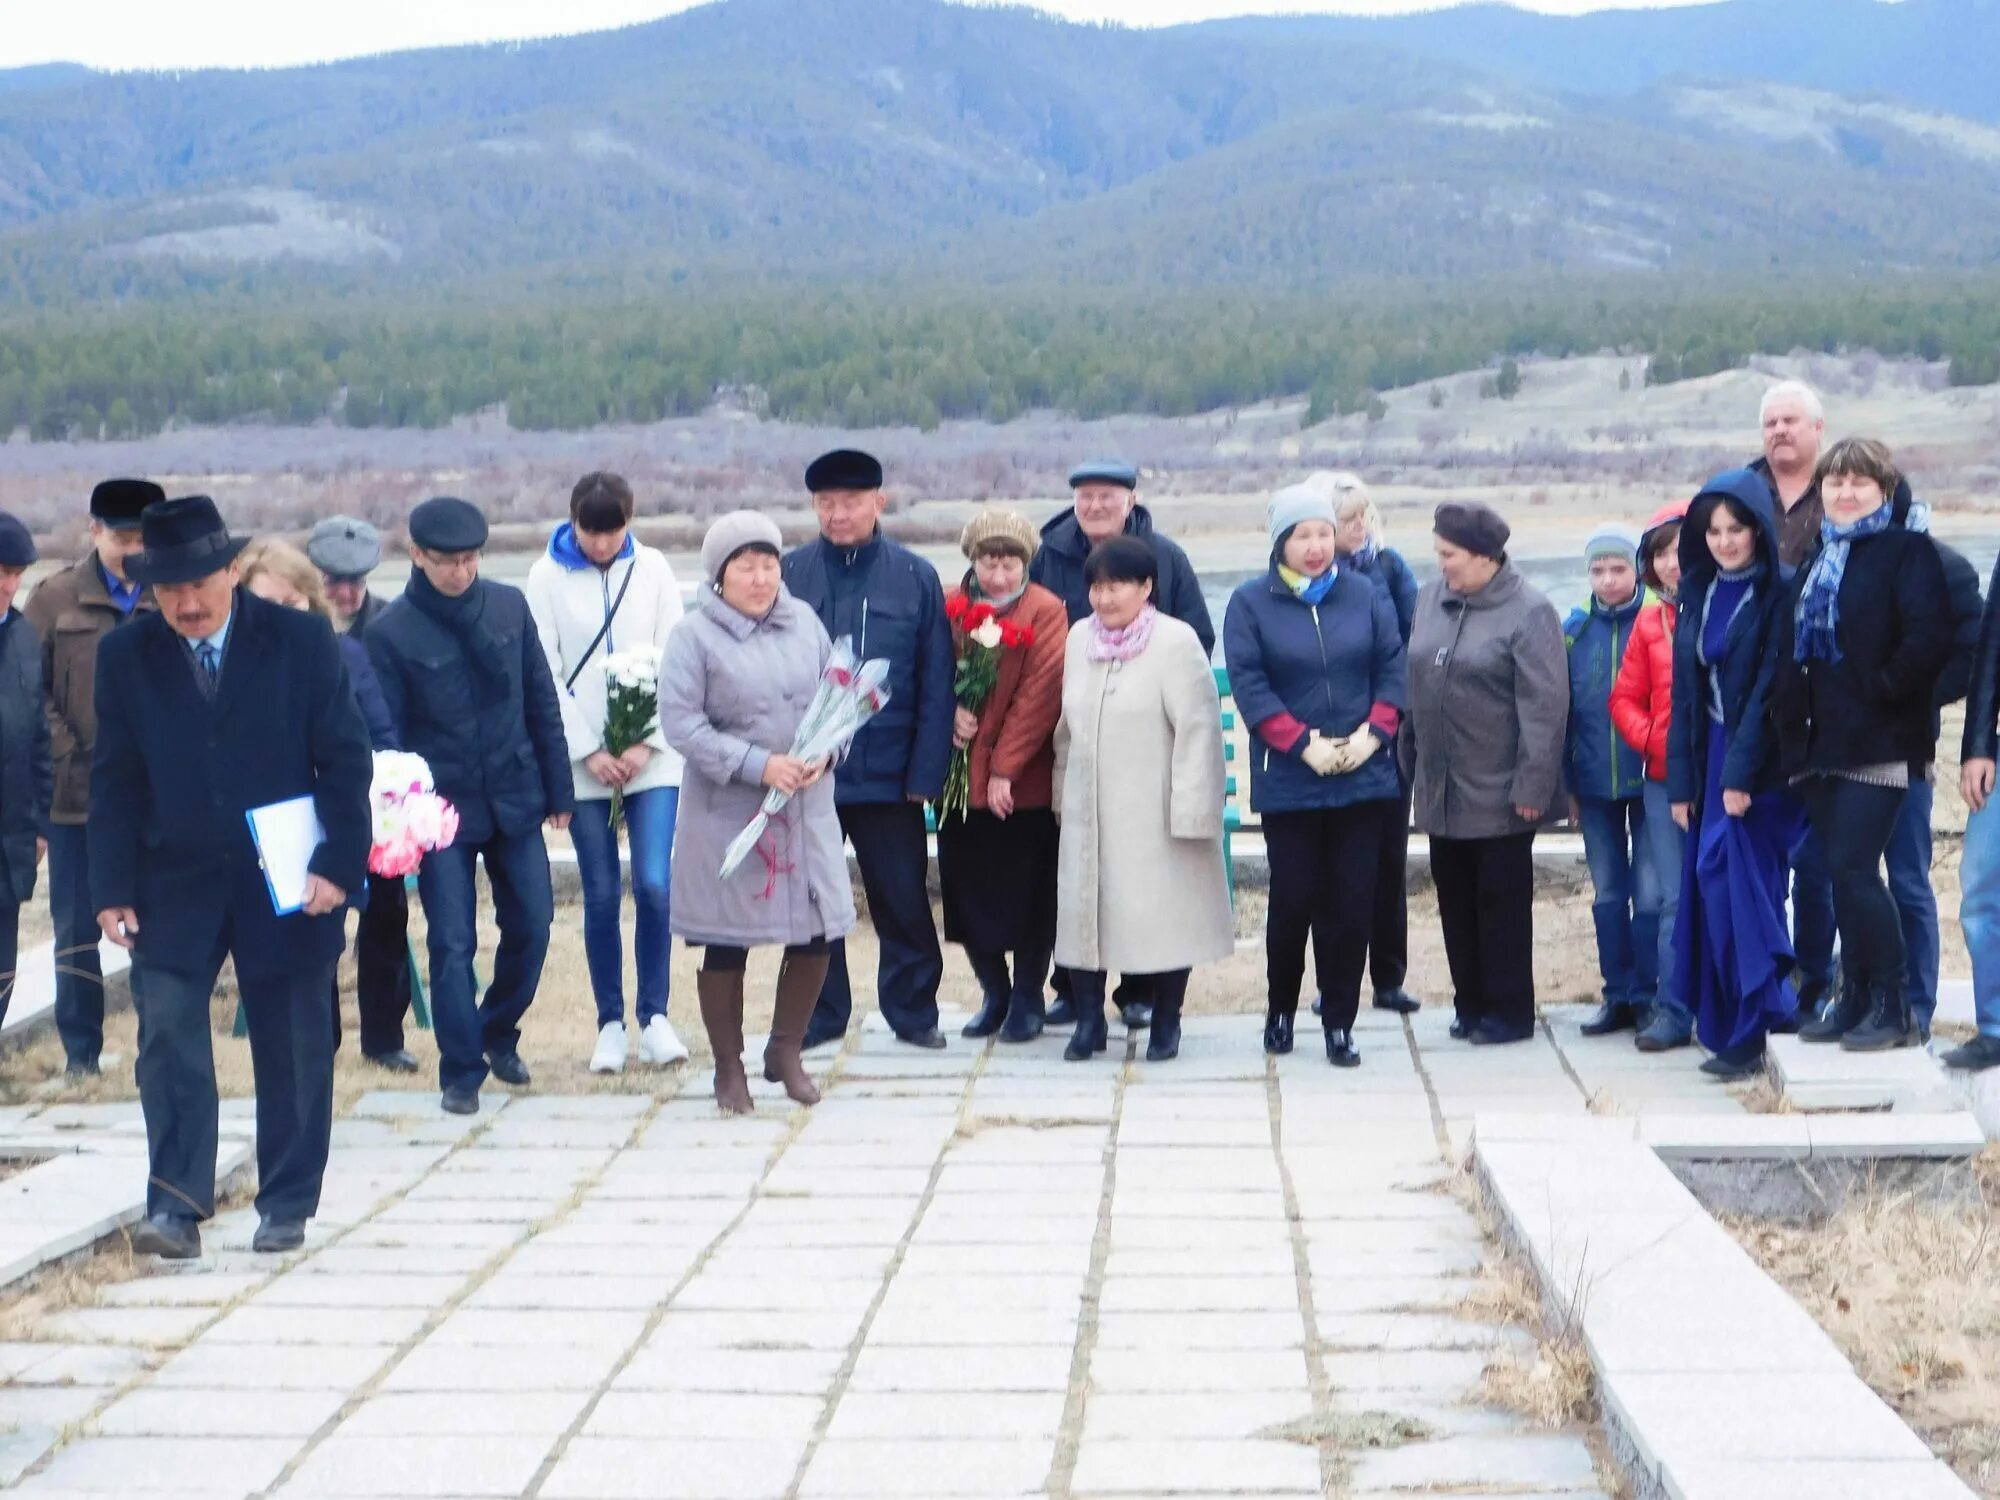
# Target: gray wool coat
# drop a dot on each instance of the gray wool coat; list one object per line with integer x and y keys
{"x": 1489, "y": 705}
{"x": 1139, "y": 774}
{"x": 732, "y": 693}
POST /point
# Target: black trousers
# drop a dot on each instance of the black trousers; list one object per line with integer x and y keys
{"x": 1486, "y": 905}
{"x": 1389, "y": 937}
{"x": 1324, "y": 866}
{"x": 382, "y": 968}
{"x": 10, "y": 948}
{"x": 1854, "y": 822}
{"x": 888, "y": 839}
{"x": 79, "y": 970}
{"x": 291, "y": 1054}
{"x": 1168, "y": 988}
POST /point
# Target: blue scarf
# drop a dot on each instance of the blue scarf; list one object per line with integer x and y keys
{"x": 1819, "y": 601}
{"x": 1312, "y": 590}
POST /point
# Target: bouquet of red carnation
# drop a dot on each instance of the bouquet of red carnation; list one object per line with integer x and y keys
{"x": 983, "y": 637}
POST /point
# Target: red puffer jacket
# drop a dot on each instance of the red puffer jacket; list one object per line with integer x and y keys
{"x": 1642, "y": 699}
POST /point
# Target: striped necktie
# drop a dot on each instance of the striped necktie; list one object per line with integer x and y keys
{"x": 211, "y": 665}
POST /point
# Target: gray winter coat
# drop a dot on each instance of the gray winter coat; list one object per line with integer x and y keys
{"x": 1489, "y": 708}
{"x": 732, "y": 693}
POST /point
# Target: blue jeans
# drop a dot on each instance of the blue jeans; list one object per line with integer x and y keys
{"x": 1666, "y": 846}
{"x": 1813, "y": 926}
{"x": 470, "y": 1027}
{"x": 649, "y": 822}
{"x": 1626, "y": 909}
{"x": 1909, "y": 861}
{"x": 1979, "y": 913}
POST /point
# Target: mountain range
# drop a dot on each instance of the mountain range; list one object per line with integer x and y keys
{"x": 916, "y": 140}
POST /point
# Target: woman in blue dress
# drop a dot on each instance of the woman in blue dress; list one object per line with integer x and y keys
{"x": 1723, "y": 780}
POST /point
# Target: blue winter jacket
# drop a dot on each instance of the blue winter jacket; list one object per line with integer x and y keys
{"x": 1326, "y": 666}
{"x": 1391, "y": 573}
{"x": 1597, "y": 764}
{"x": 889, "y": 602}
{"x": 1751, "y": 668}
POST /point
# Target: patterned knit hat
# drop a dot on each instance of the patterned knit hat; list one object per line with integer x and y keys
{"x": 996, "y": 527}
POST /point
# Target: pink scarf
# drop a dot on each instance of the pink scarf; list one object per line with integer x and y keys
{"x": 1120, "y": 645}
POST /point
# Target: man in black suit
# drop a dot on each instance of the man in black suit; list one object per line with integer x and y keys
{"x": 219, "y": 704}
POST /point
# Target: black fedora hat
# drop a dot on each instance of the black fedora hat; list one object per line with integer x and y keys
{"x": 184, "y": 540}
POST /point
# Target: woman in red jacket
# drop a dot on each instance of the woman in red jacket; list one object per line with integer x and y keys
{"x": 1641, "y": 707}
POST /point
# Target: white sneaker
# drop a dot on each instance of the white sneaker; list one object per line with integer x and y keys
{"x": 658, "y": 1044}
{"x": 609, "y": 1057}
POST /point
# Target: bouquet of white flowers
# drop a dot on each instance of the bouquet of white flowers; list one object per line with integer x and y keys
{"x": 850, "y": 694}
{"x": 632, "y": 706}
{"x": 410, "y": 818}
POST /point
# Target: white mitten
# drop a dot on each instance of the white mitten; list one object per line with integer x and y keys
{"x": 1322, "y": 754}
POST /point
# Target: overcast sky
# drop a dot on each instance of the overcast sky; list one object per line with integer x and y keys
{"x": 261, "y": 33}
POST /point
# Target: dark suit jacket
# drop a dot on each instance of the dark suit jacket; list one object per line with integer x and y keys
{"x": 26, "y": 776}
{"x": 174, "y": 775}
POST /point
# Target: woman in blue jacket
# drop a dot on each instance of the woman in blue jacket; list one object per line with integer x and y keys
{"x": 1316, "y": 665}
{"x": 1730, "y": 943}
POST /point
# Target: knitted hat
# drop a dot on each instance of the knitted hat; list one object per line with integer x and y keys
{"x": 1296, "y": 503}
{"x": 730, "y": 534}
{"x": 1475, "y": 526}
{"x": 1612, "y": 541}
{"x": 1007, "y": 528}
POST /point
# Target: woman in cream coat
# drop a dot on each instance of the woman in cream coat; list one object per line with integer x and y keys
{"x": 1139, "y": 784}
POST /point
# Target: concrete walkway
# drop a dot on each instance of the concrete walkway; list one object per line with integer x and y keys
{"x": 983, "y": 1272}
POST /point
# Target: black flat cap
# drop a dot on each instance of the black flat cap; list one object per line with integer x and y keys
{"x": 844, "y": 469}
{"x": 448, "y": 524}
{"x": 17, "y": 547}
{"x": 118, "y": 502}
{"x": 1475, "y": 527}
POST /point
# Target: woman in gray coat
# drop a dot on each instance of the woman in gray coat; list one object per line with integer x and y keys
{"x": 737, "y": 676}
{"x": 1489, "y": 704}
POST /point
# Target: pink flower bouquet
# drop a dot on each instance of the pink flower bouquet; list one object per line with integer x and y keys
{"x": 411, "y": 819}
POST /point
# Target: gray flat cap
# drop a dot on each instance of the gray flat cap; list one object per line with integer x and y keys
{"x": 344, "y": 547}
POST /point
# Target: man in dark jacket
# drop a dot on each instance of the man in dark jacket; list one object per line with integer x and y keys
{"x": 1909, "y": 855}
{"x": 25, "y": 775}
{"x": 888, "y": 601}
{"x": 346, "y": 551}
{"x": 1793, "y": 424}
{"x": 470, "y": 691}
{"x": 72, "y": 611}
{"x": 1105, "y": 503}
{"x": 218, "y": 705}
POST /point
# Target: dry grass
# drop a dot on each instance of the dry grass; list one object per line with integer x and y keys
{"x": 1555, "y": 1387}
{"x": 1909, "y": 1287}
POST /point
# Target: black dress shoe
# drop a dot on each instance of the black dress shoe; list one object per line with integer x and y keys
{"x": 930, "y": 1039}
{"x": 1492, "y": 1033}
{"x": 1612, "y": 1015}
{"x": 1091, "y": 1037}
{"x": 1399, "y": 1000}
{"x": 1976, "y": 1056}
{"x": 508, "y": 1068}
{"x": 82, "y": 1072}
{"x": 274, "y": 1236}
{"x": 819, "y": 1036}
{"x": 1460, "y": 1031}
{"x": 1340, "y": 1050}
{"x": 167, "y": 1236}
{"x": 399, "y": 1061}
{"x": 1062, "y": 1013}
{"x": 992, "y": 1012}
{"x": 1278, "y": 1031}
{"x": 460, "y": 1101}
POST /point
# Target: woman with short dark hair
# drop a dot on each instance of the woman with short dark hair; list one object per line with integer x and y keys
{"x": 1866, "y": 632}
{"x": 596, "y": 591}
{"x": 1138, "y": 785}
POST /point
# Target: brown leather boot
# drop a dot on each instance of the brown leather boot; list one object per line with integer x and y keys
{"x": 722, "y": 1017}
{"x": 799, "y": 981}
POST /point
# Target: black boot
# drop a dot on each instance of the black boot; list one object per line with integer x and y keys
{"x": 1278, "y": 1031}
{"x": 992, "y": 1012}
{"x": 1062, "y": 1013}
{"x": 1163, "y": 1044}
{"x": 995, "y": 988}
{"x": 1889, "y": 1023}
{"x": 1092, "y": 1034}
{"x": 1612, "y": 1015}
{"x": 1340, "y": 1049}
{"x": 1396, "y": 999}
{"x": 1846, "y": 1010}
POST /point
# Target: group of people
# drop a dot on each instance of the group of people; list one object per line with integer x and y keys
{"x": 1743, "y": 713}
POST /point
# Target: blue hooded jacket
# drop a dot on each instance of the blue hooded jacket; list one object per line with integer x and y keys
{"x": 1750, "y": 669}
{"x": 1326, "y": 666}
{"x": 1597, "y": 764}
